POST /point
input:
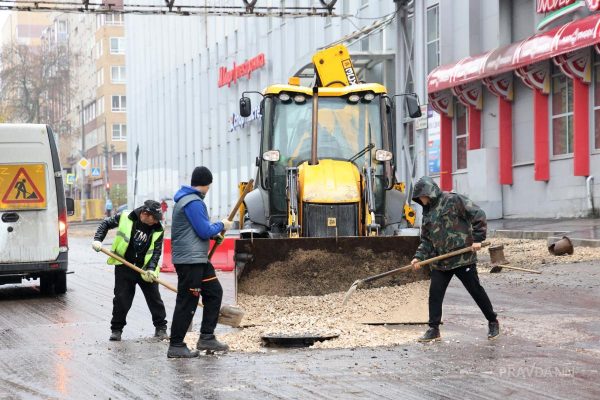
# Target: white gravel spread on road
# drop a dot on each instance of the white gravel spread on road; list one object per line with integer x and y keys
{"x": 325, "y": 315}
{"x": 534, "y": 254}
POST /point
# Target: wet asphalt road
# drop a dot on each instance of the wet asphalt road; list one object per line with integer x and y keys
{"x": 57, "y": 347}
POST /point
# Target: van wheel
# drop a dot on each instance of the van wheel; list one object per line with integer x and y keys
{"x": 60, "y": 282}
{"x": 46, "y": 283}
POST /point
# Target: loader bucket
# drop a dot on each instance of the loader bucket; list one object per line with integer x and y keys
{"x": 317, "y": 266}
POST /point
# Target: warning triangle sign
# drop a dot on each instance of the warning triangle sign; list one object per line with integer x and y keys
{"x": 22, "y": 190}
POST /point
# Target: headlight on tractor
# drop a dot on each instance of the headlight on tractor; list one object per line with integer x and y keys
{"x": 383, "y": 155}
{"x": 271, "y": 155}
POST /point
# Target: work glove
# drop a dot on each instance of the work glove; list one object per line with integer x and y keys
{"x": 227, "y": 224}
{"x": 218, "y": 239}
{"x": 96, "y": 245}
{"x": 150, "y": 274}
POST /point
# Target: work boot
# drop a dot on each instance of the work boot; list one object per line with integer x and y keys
{"x": 431, "y": 335}
{"x": 181, "y": 351}
{"x": 209, "y": 342}
{"x": 493, "y": 330}
{"x": 161, "y": 333}
{"x": 115, "y": 336}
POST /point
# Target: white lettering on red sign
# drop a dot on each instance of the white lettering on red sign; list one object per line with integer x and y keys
{"x": 544, "y": 6}
{"x": 226, "y": 77}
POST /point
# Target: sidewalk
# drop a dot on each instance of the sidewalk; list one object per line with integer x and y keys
{"x": 581, "y": 231}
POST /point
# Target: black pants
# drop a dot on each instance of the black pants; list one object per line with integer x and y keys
{"x": 193, "y": 281}
{"x": 470, "y": 280}
{"x": 125, "y": 281}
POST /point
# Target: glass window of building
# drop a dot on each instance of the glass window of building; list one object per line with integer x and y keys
{"x": 119, "y": 132}
{"x": 100, "y": 77}
{"x": 119, "y": 161}
{"x": 119, "y": 103}
{"x": 462, "y": 136}
{"x": 562, "y": 113}
{"x": 117, "y": 45}
{"x": 433, "y": 38}
{"x": 117, "y": 74}
{"x": 597, "y": 104}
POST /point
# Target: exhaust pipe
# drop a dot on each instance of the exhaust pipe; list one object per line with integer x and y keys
{"x": 315, "y": 110}
{"x": 589, "y": 186}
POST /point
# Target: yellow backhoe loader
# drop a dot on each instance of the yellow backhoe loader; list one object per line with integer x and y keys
{"x": 326, "y": 209}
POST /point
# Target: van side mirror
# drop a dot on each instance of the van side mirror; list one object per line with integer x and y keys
{"x": 70, "y": 206}
{"x": 245, "y": 107}
{"x": 412, "y": 104}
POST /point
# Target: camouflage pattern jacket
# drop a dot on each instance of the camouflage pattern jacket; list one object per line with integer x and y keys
{"x": 450, "y": 222}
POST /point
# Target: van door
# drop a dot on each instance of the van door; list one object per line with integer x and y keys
{"x": 29, "y": 229}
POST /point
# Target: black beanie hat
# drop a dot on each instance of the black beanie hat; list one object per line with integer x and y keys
{"x": 201, "y": 176}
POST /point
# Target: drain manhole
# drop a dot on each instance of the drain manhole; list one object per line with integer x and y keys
{"x": 295, "y": 340}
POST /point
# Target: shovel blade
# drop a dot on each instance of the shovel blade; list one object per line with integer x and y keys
{"x": 231, "y": 316}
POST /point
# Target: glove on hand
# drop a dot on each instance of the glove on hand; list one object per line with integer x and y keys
{"x": 218, "y": 239}
{"x": 227, "y": 224}
{"x": 150, "y": 275}
{"x": 96, "y": 245}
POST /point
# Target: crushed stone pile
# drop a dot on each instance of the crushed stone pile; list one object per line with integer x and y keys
{"x": 325, "y": 315}
{"x": 318, "y": 272}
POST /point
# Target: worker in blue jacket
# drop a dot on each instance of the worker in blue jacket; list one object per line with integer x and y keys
{"x": 191, "y": 231}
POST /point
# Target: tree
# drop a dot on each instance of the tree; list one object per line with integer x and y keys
{"x": 35, "y": 83}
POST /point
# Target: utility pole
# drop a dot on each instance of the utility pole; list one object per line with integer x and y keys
{"x": 83, "y": 177}
{"x": 107, "y": 155}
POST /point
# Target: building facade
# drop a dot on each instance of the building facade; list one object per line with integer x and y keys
{"x": 184, "y": 95}
{"x": 516, "y": 99}
{"x": 481, "y": 136}
{"x": 98, "y": 108}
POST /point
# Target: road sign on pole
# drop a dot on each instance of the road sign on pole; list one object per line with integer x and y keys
{"x": 83, "y": 163}
{"x": 70, "y": 179}
{"x": 95, "y": 171}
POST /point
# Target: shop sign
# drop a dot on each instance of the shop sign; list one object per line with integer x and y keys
{"x": 226, "y": 77}
{"x": 560, "y": 8}
{"x": 433, "y": 141}
{"x": 236, "y": 121}
{"x": 544, "y": 6}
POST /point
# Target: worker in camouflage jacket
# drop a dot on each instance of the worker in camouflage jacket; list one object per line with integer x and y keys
{"x": 451, "y": 222}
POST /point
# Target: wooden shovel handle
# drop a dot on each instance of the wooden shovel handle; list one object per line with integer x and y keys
{"x": 247, "y": 189}
{"x": 135, "y": 268}
{"x": 519, "y": 269}
{"x": 424, "y": 262}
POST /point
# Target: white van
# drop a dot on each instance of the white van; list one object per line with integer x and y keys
{"x": 33, "y": 208}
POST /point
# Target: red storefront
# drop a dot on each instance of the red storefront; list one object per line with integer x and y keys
{"x": 570, "y": 48}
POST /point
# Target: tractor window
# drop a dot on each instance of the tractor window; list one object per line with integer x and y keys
{"x": 344, "y": 129}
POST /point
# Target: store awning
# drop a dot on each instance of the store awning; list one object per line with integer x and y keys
{"x": 570, "y": 37}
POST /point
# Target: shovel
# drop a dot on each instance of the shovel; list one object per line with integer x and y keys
{"x": 229, "y": 315}
{"x": 498, "y": 268}
{"x": 359, "y": 282}
{"x": 247, "y": 189}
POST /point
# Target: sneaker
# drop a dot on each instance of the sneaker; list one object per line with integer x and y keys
{"x": 115, "y": 336}
{"x": 181, "y": 352}
{"x": 493, "y": 330}
{"x": 431, "y": 335}
{"x": 209, "y": 342}
{"x": 161, "y": 333}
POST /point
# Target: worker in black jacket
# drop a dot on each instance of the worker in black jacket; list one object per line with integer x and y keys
{"x": 139, "y": 240}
